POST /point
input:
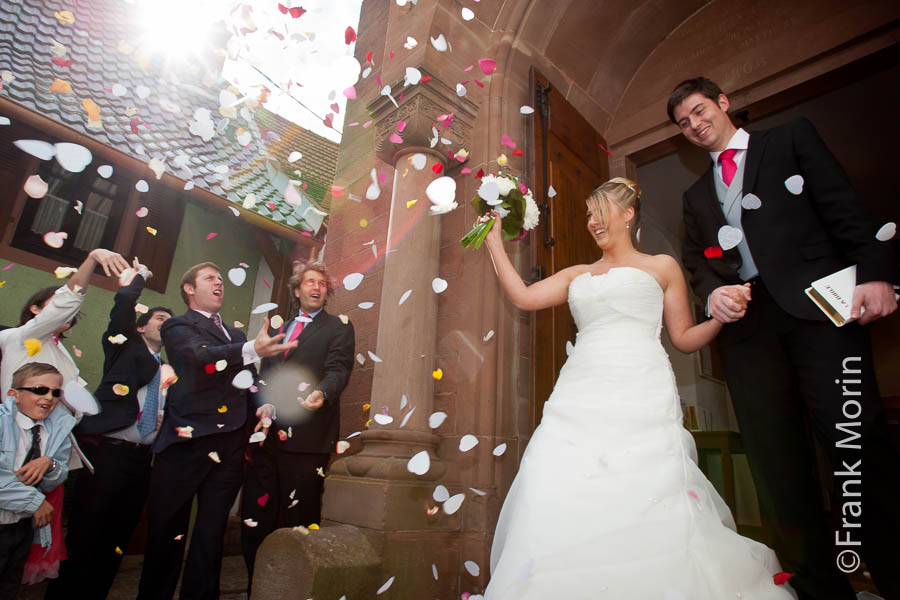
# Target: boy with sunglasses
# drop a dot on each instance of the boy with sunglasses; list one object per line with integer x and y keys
{"x": 34, "y": 448}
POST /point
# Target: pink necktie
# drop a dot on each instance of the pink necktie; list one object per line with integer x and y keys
{"x": 729, "y": 168}
{"x": 298, "y": 329}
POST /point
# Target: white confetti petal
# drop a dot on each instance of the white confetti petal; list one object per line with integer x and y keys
{"x": 442, "y": 191}
{"x": 440, "y": 494}
{"x": 467, "y": 14}
{"x": 105, "y": 171}
{"x": 478, "y": 492}
{"x": 406, "y": 417}
{"x": 294, "y": 156}
{"x": 237, "y": 276}
{"x": 374, "y": 356}
{"x": 257, "y": 436}
{"x": 436, "y": 419}
{"x": 243, "y": 380}
{"x": 488, "y": 335}
{"x": 36, "y": 148}
{"x": 434, "y": 571}
{"x": 366, "y": 305}
{"x": 439, "y": 43}
{"x": 472, "y": 567}
{"x": 352, "y": 281}
{"x": 342, "y": 446}
{"x": 264, "y": 308}
{"x": 404, "y": 297}
{"x": 886, "y": 232}
{"x": 551, "y": 192}
{"x": 360, "y": 358}
{"x": 142, "y": 186}
{"x": 383, "y": 419}
{"x": 526, "y": 110}
{"x": 419, "y": 161}
{"x": 412, "y": 77}
{"x": 751, "y": 202}
{"x": 250, "y": 523}
{"x": 570, "y": 347}
{"x": 73, "y": 157}
{"x": 794, "y": 184}
{"x": 453, "y": 503}
{"x": 467, "y": 442}
{"x": 438, "y": 285}
{"x": 419, "y": 463}
{"x": 385, "y": 586}
{"x": 490, "y": 193}
{"x": 729, "y": 237}
{"x": 403, "y": 401}
{"x": 461, "y": 90}
{"x": 499, "y": 450}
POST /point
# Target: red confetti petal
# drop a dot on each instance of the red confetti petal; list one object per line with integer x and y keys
{"x": 487, "y": 65}
{"x": 425, "y": 79}
{"x": 268, "y": 285}
{"x": 210, "y": 368}
{"x": 479, "y": 174}
{"x": 437, "y": 168}
{"x": 369, "y": 56}
{"x": 263, "y": 500}
{"x": 329, "y": 118}
{"x": 297, "y": 12}
{"x": 713, "y": 252}
{"x": 62, "y": 62}
{"x": 781, "y": 578}
{"x": 517, "y": 152}
{"x": 391, "y": 54}
{"x": 349, "y": 35}
{"x": 282, "y": 8}
{"x": 479, "y": 84}
{"x": 135, "y": 121}
{"x": 604, "y": 149}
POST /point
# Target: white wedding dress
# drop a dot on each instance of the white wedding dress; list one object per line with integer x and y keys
{"x": 608, "y": 501}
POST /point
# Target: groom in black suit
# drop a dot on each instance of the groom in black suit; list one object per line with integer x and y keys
{"x": 199, "y": 450}
{"x": 783, "y": 358}
{"x": 288, "y": 469}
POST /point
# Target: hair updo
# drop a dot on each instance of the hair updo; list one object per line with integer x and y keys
{"x": 622, "y": 192}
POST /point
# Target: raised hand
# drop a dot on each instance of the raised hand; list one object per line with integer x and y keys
{"x": 313, "y": 402}
{"x": 112, "y": 262}
{"x": 267, "y": 345}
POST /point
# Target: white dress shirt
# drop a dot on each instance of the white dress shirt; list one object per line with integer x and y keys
{"x": 740, "y": 141}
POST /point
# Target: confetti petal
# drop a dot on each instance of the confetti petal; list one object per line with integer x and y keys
{"x": 263, "y": 500}
{"x": 352, "y": 281}
{"x": 237, "y": 276}
{"x": 437, "y": 374}
{"x": 264, "y": 308}
{"x": 438, "y": 285}
{"x": 751, "y": 202}
{"x": 794, "y": 184}
{"x": 436, "y": 419}
{"x": 344, "y": 319}
{"x": 32, "y": 346}
{"x": 419, "y": 463}
{"x": 250, "y": 523}
{"x": 713, "y": 252}
{"x": 374, "y": 357}
{"x": 440, "y": 494}
{"x": 729, "y": 237}
{"x": 35, "y": 187}
{"x": 488, "y": 335}
{"x": 472, "y": 568}
{"x": 142, "y": 212}
{"x": 151, "y": 230}
{"x": 385, "y": 586}
{"x": 221, "y": 365}
{"x": 499, "y": 450}
{"x": 214, "y": 456}
{"x": 467, "y": 15}
{"x": 526, "y": 110}
{"x": 105, "y": 171}
{"x": 781, "y": 578}
{"x": 467, "y": 442}
{"x": 886, "y": 232}
{"x": 342, "y": 446}
{"x": 243, "y": 380}
{"x": 349, "y": 35}
{"x": 366, "y": 305}
{"x": 487, "y": 65}
{"x": 185, "y": 432}
{"x": 551, "y": 192}
{"x": 73, "y": 157}
{"x": 404, "y": 297}
{"x": 257, "y": 436}
{"x": 439, "y": 43}
{"x": 383, "y": 419}
{"x": 36, "y": 148}
{"x": 453, "y": 503}
{"x": 142, "y": 186}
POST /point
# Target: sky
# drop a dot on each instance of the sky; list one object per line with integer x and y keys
{"x": 306, "y": 56}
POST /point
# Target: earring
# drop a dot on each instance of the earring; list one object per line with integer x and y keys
{"x": 627, "y": 225}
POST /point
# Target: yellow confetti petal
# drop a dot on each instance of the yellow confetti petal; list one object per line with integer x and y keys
{"x": 61, "y": 85}
{"x": 313, "y": 526}
{"x": 64, "y": 16}
{"x": 215, "y": 456}
{"x": 363, "y": 223}
{"x": 63, "y": 272}
{"x": 222, "y": 409}
{"x": 119, "y": 550}
{"x": 117, "y": 339}
{"x": 2, "y": 283}
{"x": 93, "y": 110}
{"x": 405, "y": 173}
{"x": 369, "y": 422}
{"x": 120, "y": 389}
{"x": 32, "y": 346}
{"x": 130, "y": 111}
{"x": 151, "y": 231}
{"x": 344, "y": 319}
{"x": 437, "y": 374}
{"x": 502, "y": 160}
{"x": 367, "y": 406}
{"x": 409, "y": 203}
{"x": 277, "y": 321}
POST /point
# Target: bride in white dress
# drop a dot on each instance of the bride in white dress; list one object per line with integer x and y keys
{"x": 609, "y": 501}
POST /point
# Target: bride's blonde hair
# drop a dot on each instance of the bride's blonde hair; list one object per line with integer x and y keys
{"x": 624, "y": 193}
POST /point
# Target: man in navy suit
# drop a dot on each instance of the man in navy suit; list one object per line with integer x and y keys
{"x": 785, "y": 201}
{"x": 107, "y": 504}
{"x": 289, "y": 468}
{"x": 199, "y": 450}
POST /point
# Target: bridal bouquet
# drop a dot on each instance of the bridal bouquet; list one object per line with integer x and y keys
{"x": 512, "y": 200}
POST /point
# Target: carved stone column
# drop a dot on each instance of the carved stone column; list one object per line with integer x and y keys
{"x": 373, "y": 488}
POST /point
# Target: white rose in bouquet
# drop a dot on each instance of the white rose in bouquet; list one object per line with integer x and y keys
{"x": 505, "y": 185}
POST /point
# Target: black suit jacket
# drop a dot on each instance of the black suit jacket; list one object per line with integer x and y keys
{"x": 129, "y": 363}
{"x": 203, "y": 398}
{"x": 325, "y": 351}
{"x": 794, "y": 240}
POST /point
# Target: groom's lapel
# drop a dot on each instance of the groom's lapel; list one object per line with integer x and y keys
{"x": 711, "y": 199}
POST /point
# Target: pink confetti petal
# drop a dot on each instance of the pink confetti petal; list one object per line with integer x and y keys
{"x": 8, "y": 267}
{"x": 487, "y": 65}
{"x": 465, "y": 170}
{"x": 401, "y": 125}
{"x": 366, "y": 124}
{"x": 263, "y": 500}
{"x": 693, "y": 494}
{"x": 505, "y": 140}
{"x": 350, "y": 93}
{"x": 337, "y": 191}
{"x": 469, "y": 68}
{"x": 396, "y": 139}
{"x": 211, "y": 236}
{"x": 142, "y": 212}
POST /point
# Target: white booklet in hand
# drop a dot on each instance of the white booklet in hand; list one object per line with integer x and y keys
{"x": 834, "y": 294}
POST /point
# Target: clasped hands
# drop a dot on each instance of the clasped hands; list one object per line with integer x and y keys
{"x": 728, "y": 303}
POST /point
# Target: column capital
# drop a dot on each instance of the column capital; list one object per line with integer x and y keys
{"x": 420, "y": 108}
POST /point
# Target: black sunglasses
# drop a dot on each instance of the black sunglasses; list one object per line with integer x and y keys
{"x": 41, "y": 390}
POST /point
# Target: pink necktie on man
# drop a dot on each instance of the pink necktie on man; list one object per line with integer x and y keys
{"x": 729, "y": 167}
{"x": 298, "y": 329}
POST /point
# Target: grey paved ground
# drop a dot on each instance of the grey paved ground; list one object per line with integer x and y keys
{"x": 233, "y": 584}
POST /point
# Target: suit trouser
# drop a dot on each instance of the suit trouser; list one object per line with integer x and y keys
{"x": 180, "y": 472}
{"x": 15, "y": 543}
{"x": 789, "y": 365}
{"x": 272, "y": 481}
{"x": 106, "y": 508}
